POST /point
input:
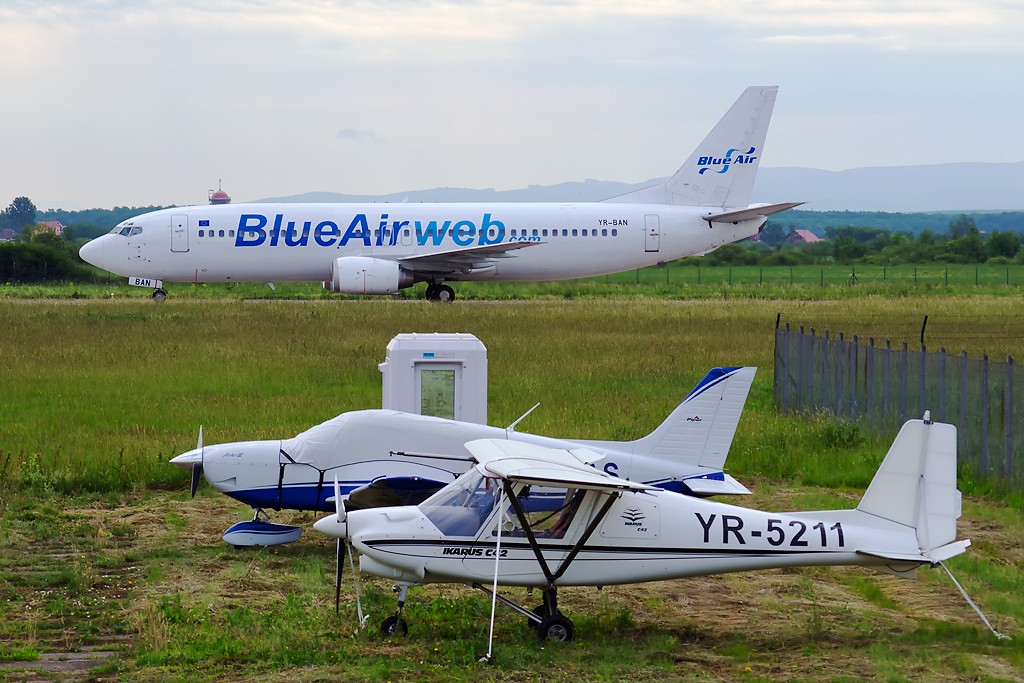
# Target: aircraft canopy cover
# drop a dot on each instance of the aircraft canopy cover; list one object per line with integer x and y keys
{"x": 371, "y": 434}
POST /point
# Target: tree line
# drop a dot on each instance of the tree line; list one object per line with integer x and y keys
{"x": 960, "y": 242}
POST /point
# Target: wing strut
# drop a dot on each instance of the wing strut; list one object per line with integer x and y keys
{"x": 494, "y": 588}
{"x": 576, "y": 548}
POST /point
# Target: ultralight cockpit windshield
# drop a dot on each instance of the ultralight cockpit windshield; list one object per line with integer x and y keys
{"x": 461, "y": 508}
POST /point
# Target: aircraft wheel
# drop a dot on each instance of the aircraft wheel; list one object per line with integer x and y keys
{"x": 556, "y": 628}
{"x": 431, "y": 291}
{"x": 394, "y": 626}
{"x": 445, "y": 294}
{"x": 159, "y": 296}
{"x": 540, "y": 611}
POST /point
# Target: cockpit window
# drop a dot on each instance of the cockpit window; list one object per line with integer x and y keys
{"x": 126, "y": 230}
{"x": 462, "y": 507}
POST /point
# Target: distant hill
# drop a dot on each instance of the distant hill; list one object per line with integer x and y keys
{"x": 960, "y": 187}
{"x": 941, "y": 187}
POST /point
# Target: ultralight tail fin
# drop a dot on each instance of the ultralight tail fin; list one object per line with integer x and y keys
{"x": 701, "y": 428}
{"x": 916, "y": 486}
{"x": 720, "y": 172}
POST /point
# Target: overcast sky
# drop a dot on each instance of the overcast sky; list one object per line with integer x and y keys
{"x": 139, "y": 102}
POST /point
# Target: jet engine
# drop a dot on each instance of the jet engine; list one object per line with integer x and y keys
{"x": 365, "y": 275}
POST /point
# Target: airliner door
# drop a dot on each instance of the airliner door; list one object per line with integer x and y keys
{"x": 653, "y": 229}
{"x": 179, "y": 232}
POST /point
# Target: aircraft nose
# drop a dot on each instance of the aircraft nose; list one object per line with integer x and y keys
{"x": 186, "y": 460}
{"x": 330, "y": 526}
{"x": 93, "y": 251}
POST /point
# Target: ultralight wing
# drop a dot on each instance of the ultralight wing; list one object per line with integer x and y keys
{"x": 530, "y": 464}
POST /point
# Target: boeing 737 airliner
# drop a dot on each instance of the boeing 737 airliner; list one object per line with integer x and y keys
{"x": 382, "y": 248}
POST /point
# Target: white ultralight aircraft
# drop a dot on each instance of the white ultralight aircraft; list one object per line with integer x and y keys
{"x": 479, "y": 529}
{"x": 380, "y": 248}
{"x": 360, "y": 449}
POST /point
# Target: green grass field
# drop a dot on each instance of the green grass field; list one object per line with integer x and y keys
{"x": 101, "y": 547}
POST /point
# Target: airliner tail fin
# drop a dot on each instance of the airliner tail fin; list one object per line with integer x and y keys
{"x": 720, "y": 172}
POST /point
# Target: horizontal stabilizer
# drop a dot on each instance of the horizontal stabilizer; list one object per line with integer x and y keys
{"x": 707, "y": 486}
{"x": 750, "y": 213}
{"x": 896, "y": 557}
{"x": 933, "y": 556}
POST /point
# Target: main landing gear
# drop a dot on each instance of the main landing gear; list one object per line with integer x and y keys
{"x": 549, "y": 623}
{"x": 437, "y": 291}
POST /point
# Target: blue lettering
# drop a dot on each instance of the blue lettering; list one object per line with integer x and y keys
{"x": 254, "y": 230}
{"x": 289, "y": 235}
{"x": 431, "y": 232}
{"x": 325, "y": 233}
{"x": 276, "y": 232}
{"x": 357, "y": 229}
{"x": 463, "y": 239}
{"x": 612, "y": 469}
{"x": 485, "y": 229}
{"x": 251, "y": 223}
{"x": 396, "y": 231}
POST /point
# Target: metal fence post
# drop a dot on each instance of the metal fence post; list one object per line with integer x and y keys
{"x": 903, "y": 382}
{"x": 869, "y": 384}
{"x": 800, "y": 371}
{"x": 1008, "y": 419}
{"x": 786, "y": 373}
{"x": 887, "y": 379}
{"x": 825, "y": 370}
{"x": 854, "y": 375}
{"x": 942, "y": 384}
{"x": 962, "y": 427}
{"x": 776, "y": 388}
{"x": 812, "y": 365}
{"x": 840, "y": 352}
{"x": 920, "y": 379}
{"x": 984, "y": 414}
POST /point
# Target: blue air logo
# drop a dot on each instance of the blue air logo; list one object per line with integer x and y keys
{"x": 725, "y": 162}
{"x": 255, "y": 229}
{"x": 695, "y": 418}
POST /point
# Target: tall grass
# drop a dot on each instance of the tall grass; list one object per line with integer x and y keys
{"x": 98, "y": 395}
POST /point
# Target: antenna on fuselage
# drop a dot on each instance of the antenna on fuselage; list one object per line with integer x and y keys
{"x": 512, "y": 427}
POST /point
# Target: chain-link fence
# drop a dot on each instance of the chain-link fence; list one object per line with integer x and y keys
{"x": 880, "y": 386}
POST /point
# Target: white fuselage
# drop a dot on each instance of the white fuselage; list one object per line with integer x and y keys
{"x": 299, "y": 242}
{"x": 361, "y": 446}
{"x": 647, "y": 536}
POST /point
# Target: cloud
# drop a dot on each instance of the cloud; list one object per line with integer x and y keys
{"x": 354, "y": 135}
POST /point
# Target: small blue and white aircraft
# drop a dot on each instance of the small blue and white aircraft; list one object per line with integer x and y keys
{"x": 480, "y": 530}
{"x": 385, "y": 457}
{"x": 382, "y": 248}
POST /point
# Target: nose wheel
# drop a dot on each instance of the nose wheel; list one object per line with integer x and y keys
{"x": 159, "y": 296}
{"x": 396, "y": 625}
